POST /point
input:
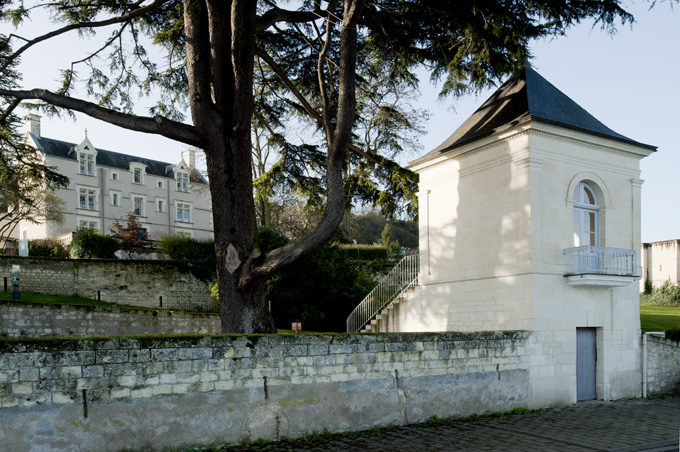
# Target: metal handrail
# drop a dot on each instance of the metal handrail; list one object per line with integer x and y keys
{"x": 602, "y": 261}
{"x": 398, "y": 280}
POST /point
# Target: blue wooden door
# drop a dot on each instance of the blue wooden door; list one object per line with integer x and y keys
{"x": 586, "y": 359}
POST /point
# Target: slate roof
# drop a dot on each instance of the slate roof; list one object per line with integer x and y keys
{"x": 58, "y": 148}
{"x": 526, "y": 97}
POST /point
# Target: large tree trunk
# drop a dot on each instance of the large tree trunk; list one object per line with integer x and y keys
{"x": 220, "y": 42}
{"x": 220, "y": 56}
{"x": 242, "y": 307}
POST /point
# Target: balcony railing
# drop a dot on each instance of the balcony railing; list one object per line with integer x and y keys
{"x": 600, "y": 260}
{"x": 402, "y": 276}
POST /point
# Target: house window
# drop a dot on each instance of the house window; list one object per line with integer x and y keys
{"x": 88, "y": 199}
{"x": 183, "y": 212}
{"x": 138, "y": 206}
{"x": 114, "y": 175}
{"x": 86, "y": 163}
{"x": 115, "y": 199}
{"x": 184, "y": 234}
{"x": 160, "y": 184}
{"x": 160, "y": 205}
{"x": 86, "y": 224}
{"x": 586, "y": 216}
{"x": 137, "y": 176}
{"x": 183, "y": 182}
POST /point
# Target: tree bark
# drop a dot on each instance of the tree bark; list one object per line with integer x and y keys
{"x": 220, "y": 57}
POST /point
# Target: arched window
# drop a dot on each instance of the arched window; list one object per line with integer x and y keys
{"x": 586, "y": 216}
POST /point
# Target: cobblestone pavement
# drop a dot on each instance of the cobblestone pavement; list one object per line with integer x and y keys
{"x": 651, "y": 425}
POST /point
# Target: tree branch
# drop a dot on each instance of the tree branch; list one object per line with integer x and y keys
{"x": 289, "y": 84}
{"x": 183, "y": 133}
{"x": 335, "y": 195}
{"x": 275, "y": 15}
{"x": 8, "y": 111}
{"x": 127, "y": 17}
{"x": 198, "y": 63}
{"x": 323, "y": 88}
{"x": 377, "y": 159}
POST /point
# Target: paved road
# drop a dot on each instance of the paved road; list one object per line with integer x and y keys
{"x": 651, "y": 425}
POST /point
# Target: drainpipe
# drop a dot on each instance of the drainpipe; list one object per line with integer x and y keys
{"x": 102, "y": 189}
{"x": 167, "y": 208}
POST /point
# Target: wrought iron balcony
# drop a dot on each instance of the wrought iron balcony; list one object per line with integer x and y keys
{"x": 601, "y": 266}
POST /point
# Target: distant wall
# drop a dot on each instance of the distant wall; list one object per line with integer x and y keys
{"x": 109, "y": 395}
{"x": 663, "y": 365}
{"x": 660, "y": 263}
{"x": 19, "y": 319}
{"x": 138, "y": 283}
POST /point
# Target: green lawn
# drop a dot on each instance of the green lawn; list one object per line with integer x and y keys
{"x": 62, "y": 299}
{"x": 659, "y": 318}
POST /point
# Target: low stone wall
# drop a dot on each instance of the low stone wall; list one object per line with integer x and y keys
{"x": 21, "y": 319}
{"x": 112, "y": 394}
{"x": 663, "y": 365}
{"x": 147, "y": 283}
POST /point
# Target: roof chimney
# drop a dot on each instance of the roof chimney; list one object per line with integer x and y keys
{"x": 189, "y": 156}
{"x": 33, "y": 123}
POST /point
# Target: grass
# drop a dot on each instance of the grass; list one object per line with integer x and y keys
{"x": 64, "y": 299}
{"x": 659, "y": 318}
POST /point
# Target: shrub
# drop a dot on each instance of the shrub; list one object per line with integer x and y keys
{"x": 673, "y": 334}
{"x": 365, "y": 252}
{"x": 319, "y": 292}
{"x": 132, "y": 238}
{"x": 187, "y": 249}
{"x": 50, "y": 247}
{"x": 90, "y": 244}
{"x": 666, "y": 295}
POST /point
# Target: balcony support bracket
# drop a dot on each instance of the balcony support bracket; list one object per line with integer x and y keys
{"x": 600, "y": 281}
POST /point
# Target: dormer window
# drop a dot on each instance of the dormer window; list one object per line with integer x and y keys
{"x": 182, "y": 182}
{"x": 138, "y": 171}
{"x": 86, "y": 163}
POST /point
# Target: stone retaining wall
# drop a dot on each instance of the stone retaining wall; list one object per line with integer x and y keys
{"x": 21, "y": 319}
{"x": 663, "y": 365}
{"x": 147, "y": 283}
{"x": 112, "y": 394}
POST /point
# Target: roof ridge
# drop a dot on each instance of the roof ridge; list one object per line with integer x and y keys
{"x": 526, "y": 96}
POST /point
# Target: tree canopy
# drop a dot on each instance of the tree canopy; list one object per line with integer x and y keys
{"x": 342, "y": 69}
{"x": 26, "y": 185}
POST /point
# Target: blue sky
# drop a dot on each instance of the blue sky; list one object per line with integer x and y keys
{"x": 628, "y": 81}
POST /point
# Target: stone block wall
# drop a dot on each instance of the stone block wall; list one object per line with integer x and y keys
{"x": 151, "y": 284}
{"x": 19, "y": 319}
{"x": 112, "y": 394}
{"x": 663, "y": 365}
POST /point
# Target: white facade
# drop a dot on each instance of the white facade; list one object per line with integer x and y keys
{"x": 496, "y": 215}
{"x": 105, "y": 186}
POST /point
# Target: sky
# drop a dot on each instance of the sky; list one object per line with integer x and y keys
{"x": 629, "y": 81}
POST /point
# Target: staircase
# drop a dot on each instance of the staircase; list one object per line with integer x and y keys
{"x": 391, "y": 289}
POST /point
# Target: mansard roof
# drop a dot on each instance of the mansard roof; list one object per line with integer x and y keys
{"x": 110, "y": 159}
{"x": 525, "y": 97}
